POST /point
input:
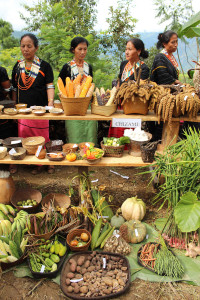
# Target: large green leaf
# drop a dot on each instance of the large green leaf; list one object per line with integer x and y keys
{"x": 193, "y": 22}
{"x": 192, "y": 32}
{"x": 187, "y": 212}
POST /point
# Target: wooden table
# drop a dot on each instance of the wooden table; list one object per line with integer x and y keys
{"x": 169, "y": 135}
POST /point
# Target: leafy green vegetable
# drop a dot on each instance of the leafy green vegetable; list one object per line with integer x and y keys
{"x": 187, "y": 212}
{"x": 124, "y": 140}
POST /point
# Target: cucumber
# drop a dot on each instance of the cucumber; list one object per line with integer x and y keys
{"x": 95, "y": 233}
{"x": 104, "y": 208}
{"x": 102, "y": 237}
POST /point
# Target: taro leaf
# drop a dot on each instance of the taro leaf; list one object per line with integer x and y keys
{"x": 187, "y": 213}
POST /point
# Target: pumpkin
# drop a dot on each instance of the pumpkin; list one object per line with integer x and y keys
{"x": 133, "y": 231}
{"x": 133, "y": 209}
{"x": 71, "y": 157}
{"x": 116, "y": 221}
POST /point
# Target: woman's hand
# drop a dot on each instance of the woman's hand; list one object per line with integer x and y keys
{"x": 50, "y": 93}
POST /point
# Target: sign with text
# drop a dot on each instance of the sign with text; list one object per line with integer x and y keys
{"x": 126, "y": 123}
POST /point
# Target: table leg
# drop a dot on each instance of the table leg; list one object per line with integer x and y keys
{"x": 170, "y": 133}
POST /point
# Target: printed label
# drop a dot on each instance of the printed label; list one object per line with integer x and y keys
{"x": 75, "y": 145}
{"x": 16, "y": 142}
{"x": 185, "y": 98}
{"x": 12, "y": 151}
{"x": 136, "y": 232}
{"x": 104, "y": 217}
{"x": 129, "y": 123}
{"x": 38, "y": 151}
{"x": 104, "y": 262}
{"x": 76, "y": 280}
{"x": 42, "y": 269}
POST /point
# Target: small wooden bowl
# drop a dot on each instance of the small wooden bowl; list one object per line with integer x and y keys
{"x": 6, "y": 266}
{"x": 56, "y": 111}
{"x": 73, "y": 234}
{"x": 10, "y": 111}
{"x": 25, "y": 194}
{"x": 19, "y": 155}
{"x": 1, "y": 108}
{"x": 70, "y": 147}
{"x": 20, "y": 105}
{"x": 39, "y": 112}
{"x": 57, "y": 104}
{"x": 12, "y": 142}
{"x": 3, "y": 152}
{"x": 85, "y": 144}
{"x": 56, "y": 158}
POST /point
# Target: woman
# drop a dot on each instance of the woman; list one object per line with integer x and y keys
{"x": 79, "y": 131}
{"x": 32, "y": 80}
{"x": 135, "y": 50}
{"x": 164, "y": 70}
{"x": 165, "y": 67}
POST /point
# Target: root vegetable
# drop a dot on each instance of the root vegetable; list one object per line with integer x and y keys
{"x": 70, "y": 275}
{"x": 81, "y": 260}
{"x": 84, "y": 289}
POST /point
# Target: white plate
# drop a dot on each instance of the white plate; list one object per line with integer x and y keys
{"x": 35, "y": 107}
{"x": 39, "y": 112}
{"x": 25, "y": 110}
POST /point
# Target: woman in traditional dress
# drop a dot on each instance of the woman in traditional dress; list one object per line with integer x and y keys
{"x": 79, "y": 131}
{"x": 32, "y": 80}
{"x": 165, "y": 67}
{"x": 164, "y": 70}
{"x": 135, "y": 50}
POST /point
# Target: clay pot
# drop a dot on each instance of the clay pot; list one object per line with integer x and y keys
{"x": 7, "y": 188}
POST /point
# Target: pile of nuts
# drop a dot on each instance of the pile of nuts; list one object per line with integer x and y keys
{"x": 96, "y": 274}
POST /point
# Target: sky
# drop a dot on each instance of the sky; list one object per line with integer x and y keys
{"x": 143, "y": 10}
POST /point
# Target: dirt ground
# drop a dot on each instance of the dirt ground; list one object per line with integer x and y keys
{"x": 120, "y": 188}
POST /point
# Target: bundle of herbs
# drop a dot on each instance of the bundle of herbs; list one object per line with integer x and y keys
{"x": 179, "y": 165}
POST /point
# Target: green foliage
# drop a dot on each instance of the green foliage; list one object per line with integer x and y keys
{"x": 175, "y": 13}
{"x": 82, "y": 15}
{"x": 8, "y": 58}
{"x": 187, "y": 213}
{"x": 120, "y": 28}
{"x": 152, "y": 53}
{"x": 7, "y": 41}
{"x": 190, "y": 29}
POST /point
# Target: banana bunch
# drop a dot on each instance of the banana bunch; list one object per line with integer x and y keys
{"x": 5, "y": 227}
{"x": 20, "y": 221}
{"x": 10, "y": 251}
{"x": 7, "y": 212}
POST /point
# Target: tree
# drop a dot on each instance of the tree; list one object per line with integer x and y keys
{"x": 7, "y": 41}
{"x": 121, "y": 27}
{"x": 82, "y": 14}
{"x": 175, "y": 12}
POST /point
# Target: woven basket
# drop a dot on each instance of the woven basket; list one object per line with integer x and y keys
{"x": 103, "y": 110}
{"x": 55, "y": 145}
{"x": 31, "y": 144}
{"x": 75, "y": 106}
{"x": 136, "y": 107}
{"x": 112, "y": 151}
{"x": 3, "y": 152}
{"x": 147, "y": 154}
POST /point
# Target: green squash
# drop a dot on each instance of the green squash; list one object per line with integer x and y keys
{"x": 117, "y": 221}
{"x": 133, "y": 231}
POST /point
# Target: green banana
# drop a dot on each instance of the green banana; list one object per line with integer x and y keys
{"x": 11, "y": 210}
{"x": 4, "y": 260}
{"x": 14, "y": 226}
{"x": 4, "y": 239}
{"x": 2, "y": 249}
{"x": 14, "y": 249}
{"x": 4, "y": 228}
{"x": 3, "y": 216}
{"x": 11, "y": 258}
{"x": 1, "y": 231}
{"x": 7, "y": 247}
{"x": 3, "y": 208}
{"x": 10, "y": 217}
{"x": 19, "y": 228}
{"x": 8, "y": 226}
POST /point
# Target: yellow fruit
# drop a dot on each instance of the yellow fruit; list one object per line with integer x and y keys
{"x": 62, "y": 251}
{"x": 57, "y": 248}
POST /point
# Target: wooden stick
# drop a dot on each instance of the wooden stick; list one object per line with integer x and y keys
{"x": 35, "y": 287}
{"x": 135, "y": 73}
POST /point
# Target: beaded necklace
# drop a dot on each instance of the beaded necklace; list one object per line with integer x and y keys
{"x": 28, "y": 75}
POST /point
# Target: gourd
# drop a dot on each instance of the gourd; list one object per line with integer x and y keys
{"x": 133, "y": 209}
{"x": 71, "y": 157}
{"x": 116, "y": 221}
{"x": 133, "y": 231}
